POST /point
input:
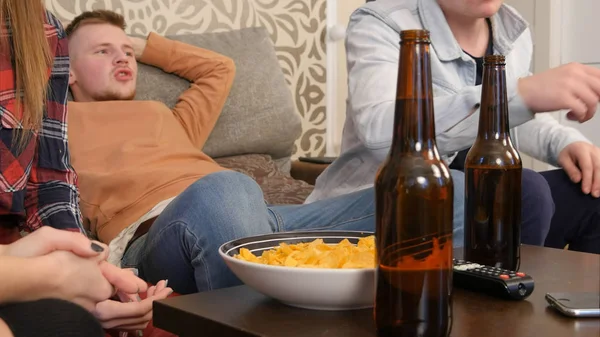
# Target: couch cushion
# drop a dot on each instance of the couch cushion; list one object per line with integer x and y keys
{"x": 278, "y": 187}
{"x": 259, "y": 115}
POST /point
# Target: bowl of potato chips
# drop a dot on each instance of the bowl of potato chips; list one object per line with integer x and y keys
{"x": 328, "y": 270}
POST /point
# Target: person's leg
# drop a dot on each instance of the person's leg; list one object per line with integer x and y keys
{"x": 458, "y": 238}
{"x": 182, "y": 244}
{"x": 354, "y": 211}
{"x": 576, "y": 221}
{"x": 49, "y": 317}
{"x": 536, "y": 212}
{"x": 537, "y": 208}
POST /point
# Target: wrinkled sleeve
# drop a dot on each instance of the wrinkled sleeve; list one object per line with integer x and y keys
{"x": 52, "y": 198}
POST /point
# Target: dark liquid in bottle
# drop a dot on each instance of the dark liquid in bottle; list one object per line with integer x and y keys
{"x": 414, "y": 209}
{"x": 493, "y": 212}
{"x": 420, "y": 285}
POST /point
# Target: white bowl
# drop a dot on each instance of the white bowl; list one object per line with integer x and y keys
{"x": 309, "y": 288}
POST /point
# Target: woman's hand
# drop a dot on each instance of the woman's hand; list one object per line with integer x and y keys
{"x": 73, "y": 278}
{"x": 47, "y": 240}
{"x": 130, "y": 313}
{"x": 84, "y": 281}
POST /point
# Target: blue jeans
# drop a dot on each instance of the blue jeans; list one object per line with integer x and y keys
{"x": 182, "y": 244}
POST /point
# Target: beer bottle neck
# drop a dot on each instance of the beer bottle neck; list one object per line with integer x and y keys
{"x": 414, "y": 125}
{"x": 414, "y": 129}
{"x": 493, "y": 115}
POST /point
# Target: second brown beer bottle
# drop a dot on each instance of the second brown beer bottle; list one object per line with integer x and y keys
{"x": 414, "y": 210}
{"x": 493, "y": 179}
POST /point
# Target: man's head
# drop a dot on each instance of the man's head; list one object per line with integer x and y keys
{"x": 471, "y": 9}
{"x": 103, "y": 65}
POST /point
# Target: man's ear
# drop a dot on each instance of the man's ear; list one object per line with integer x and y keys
{"x": 71, "y": 77}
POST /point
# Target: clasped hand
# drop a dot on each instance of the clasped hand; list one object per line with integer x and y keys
{"x": 82, "y": 275}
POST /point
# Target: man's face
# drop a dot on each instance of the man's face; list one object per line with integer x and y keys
{"x": 103, "y": 66}
{"x": 473, "y": 9}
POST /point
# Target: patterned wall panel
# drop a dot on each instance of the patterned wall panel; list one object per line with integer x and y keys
{"x": 297, "y": 28}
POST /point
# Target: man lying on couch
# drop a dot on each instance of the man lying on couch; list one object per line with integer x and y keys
{"x": 147, "y": 189}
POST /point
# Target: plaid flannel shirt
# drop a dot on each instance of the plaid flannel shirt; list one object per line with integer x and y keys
{"x": 37, "y": 185}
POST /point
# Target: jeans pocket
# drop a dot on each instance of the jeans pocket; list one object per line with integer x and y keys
{"x": 133, "y": 255}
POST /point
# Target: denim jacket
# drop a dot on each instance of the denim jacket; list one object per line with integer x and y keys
{"x": 372, "y": 46}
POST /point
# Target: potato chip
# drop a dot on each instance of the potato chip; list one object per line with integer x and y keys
{"x": 317, "y": 254}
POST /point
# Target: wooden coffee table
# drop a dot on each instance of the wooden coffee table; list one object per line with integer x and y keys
{"x": 242, "y": 312}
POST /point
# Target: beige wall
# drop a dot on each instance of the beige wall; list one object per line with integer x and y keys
{"x": 345, "y": 8}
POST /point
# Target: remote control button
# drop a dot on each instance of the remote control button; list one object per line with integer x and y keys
{"x": 504, "y": 277}
{"x": 519, "y": 274}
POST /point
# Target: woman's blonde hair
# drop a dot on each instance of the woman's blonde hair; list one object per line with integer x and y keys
{"x": 32, "y": 60}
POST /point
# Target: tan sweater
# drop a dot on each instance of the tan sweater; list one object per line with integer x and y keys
{"x": 130, "y": 155}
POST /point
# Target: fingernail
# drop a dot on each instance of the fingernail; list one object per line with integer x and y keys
{"x": 597, "y": 194}
{"x": 135, "y": 271}
{"x": 170, "y": 292}
{"x": 140, "y": 333}
{"x": 166, "y": 282}
{"x": 97, "y": 248}
{"x": 138, "y": 297}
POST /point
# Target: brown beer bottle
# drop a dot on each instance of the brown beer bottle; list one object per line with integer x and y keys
{"x": 493, "y": 179}
{"x": 414, "y": 195}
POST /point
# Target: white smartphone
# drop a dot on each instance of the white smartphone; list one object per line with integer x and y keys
{"x": 575, "y": 304}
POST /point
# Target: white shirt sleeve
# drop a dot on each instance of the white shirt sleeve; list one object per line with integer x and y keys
{"x": 373, "y": 55}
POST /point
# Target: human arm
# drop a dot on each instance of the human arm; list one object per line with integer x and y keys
{"x": 112, "y": 314}
{"x": 52, "y": 197}
{"x": 60, "y": 274}
{"x": 211, "y": 76}
{"x": 373, "y": 50}
{"x": 544, "y": 138}
{"x": 4, "y": 329}
{"x": 47, "y": 240}
{"x": 70, "y": 267}
{"x": 581, "y": 162}
{"x": 23, "y": 279}
{"x": 373, "y": 47}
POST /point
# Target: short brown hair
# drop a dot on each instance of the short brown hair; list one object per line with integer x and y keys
{"x": 95, "y": 17}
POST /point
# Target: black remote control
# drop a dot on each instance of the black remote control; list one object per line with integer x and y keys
{"x": 493, "y": 281}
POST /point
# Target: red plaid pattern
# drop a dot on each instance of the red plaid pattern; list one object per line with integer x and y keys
{"x": 37, "y": 184}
